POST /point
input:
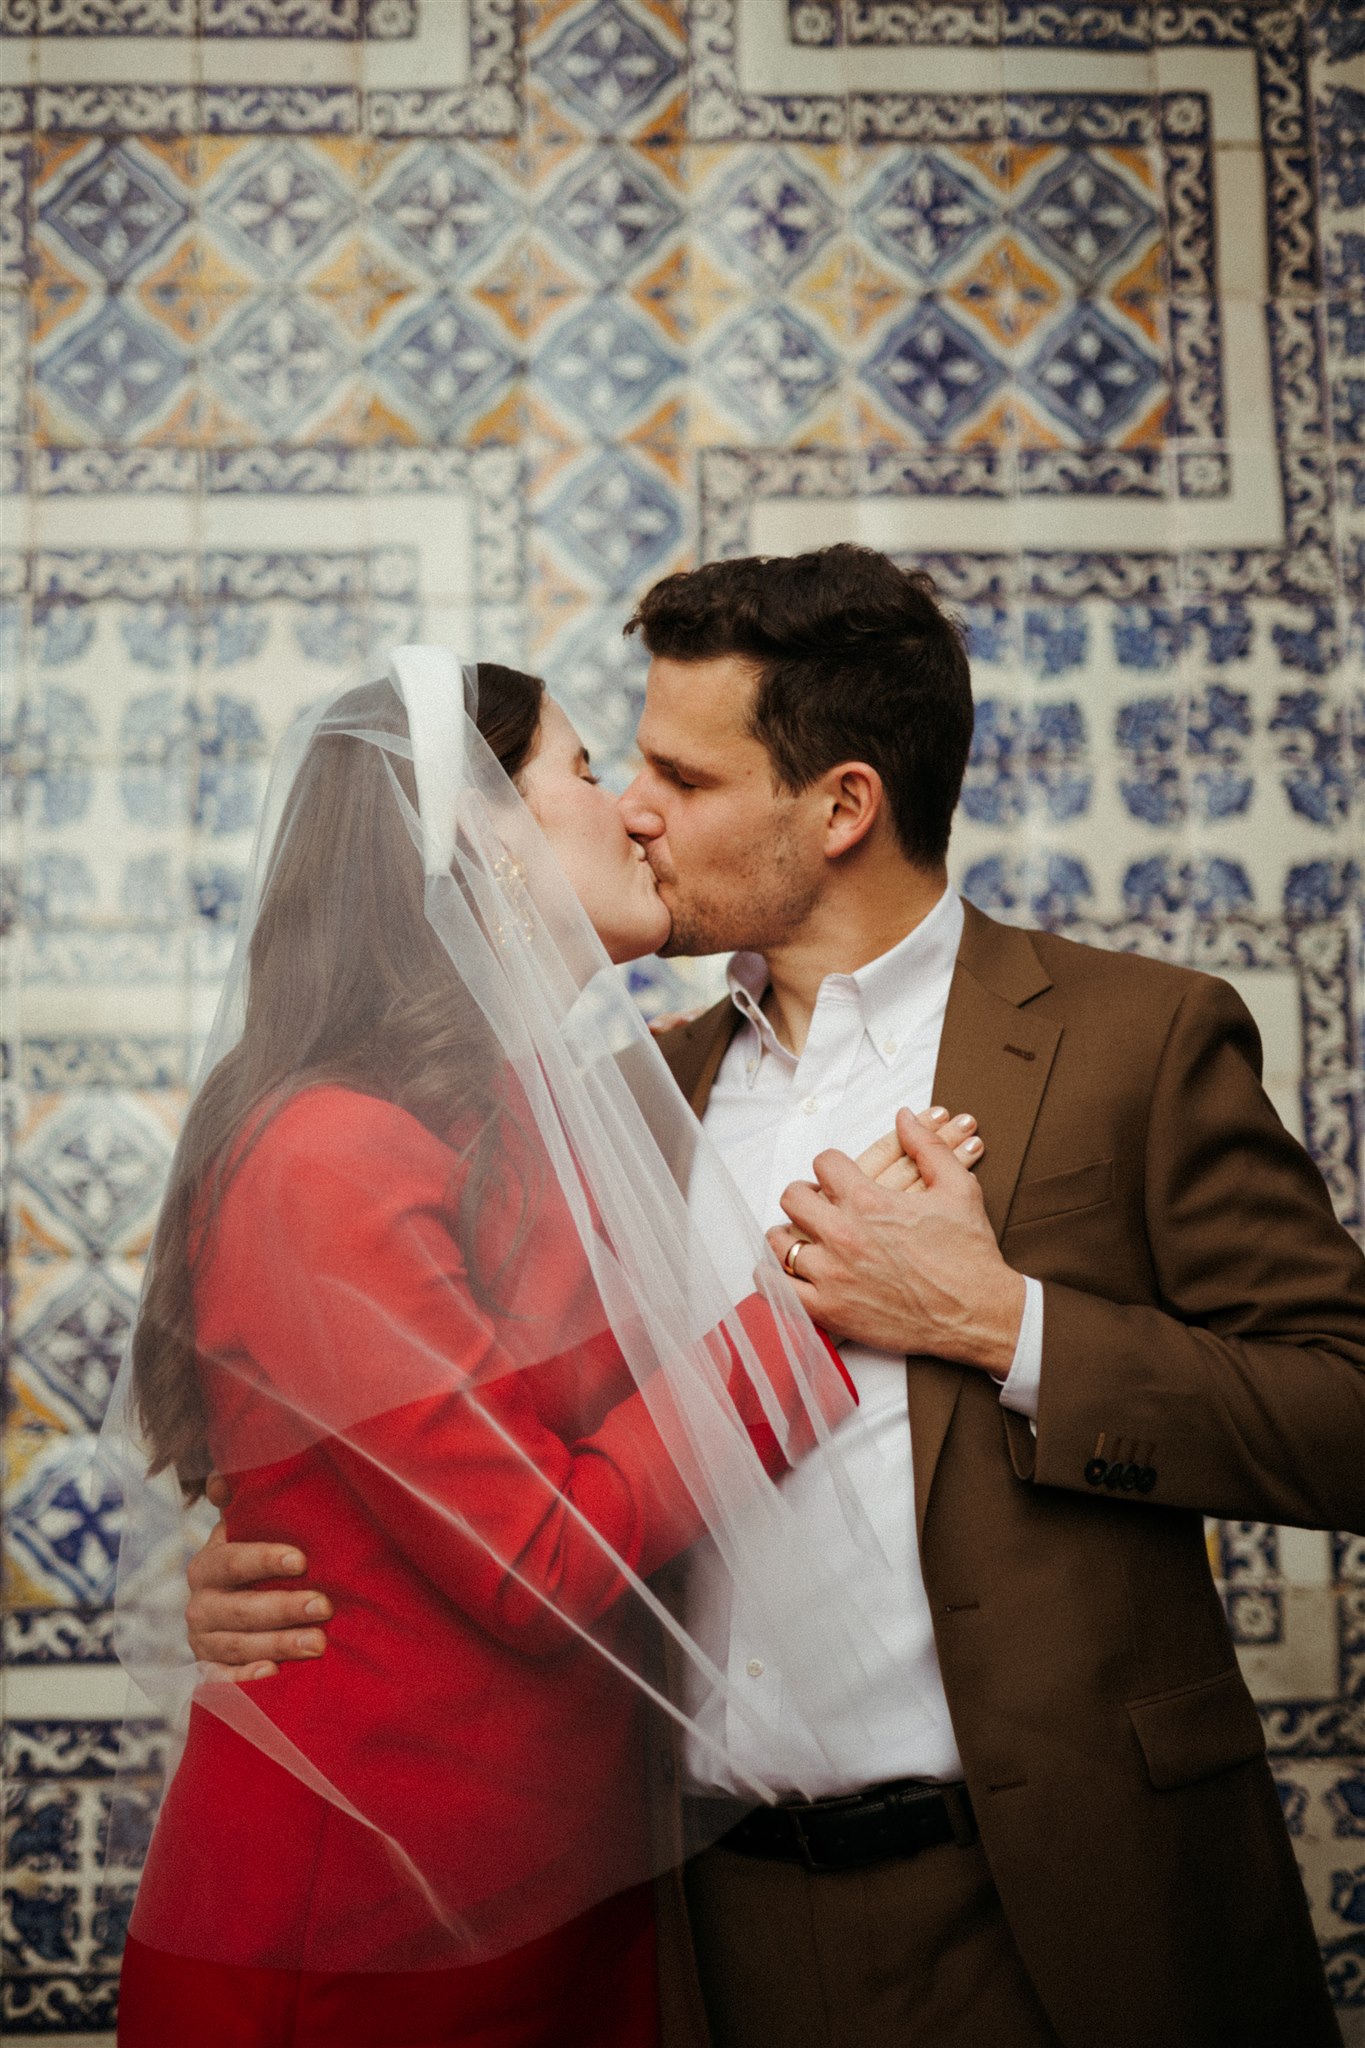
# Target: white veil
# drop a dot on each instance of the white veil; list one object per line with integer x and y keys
{"x": 497, "y": 1374}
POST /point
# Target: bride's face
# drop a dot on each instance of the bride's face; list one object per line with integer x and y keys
{"x": 607, "y": 870}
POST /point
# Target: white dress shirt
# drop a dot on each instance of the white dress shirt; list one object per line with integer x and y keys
{"x": 871, "y": 1050}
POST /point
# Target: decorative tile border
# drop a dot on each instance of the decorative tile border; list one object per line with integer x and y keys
{"x": 749, "y": 501}
{"x": 1059, "y": 24}
{"x": 383, "y": 55}
{"x": 245, "y": 481}
{"x": 327, "y": 20}
{"x": 58, "y": 1636}
{"x": 760, "y": 71}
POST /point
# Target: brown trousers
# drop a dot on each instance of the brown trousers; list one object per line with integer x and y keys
{"x": 914, "y": 1951}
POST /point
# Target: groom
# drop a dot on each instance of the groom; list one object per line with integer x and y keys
{"x": 1139, "y": 1312}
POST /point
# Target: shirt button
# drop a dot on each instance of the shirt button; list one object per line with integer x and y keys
{"x": 754, "y": 1667}
{"x": 809, "y": 1106}
{"x": 888, "y": 1046}
{"x": 751, "y": 1066}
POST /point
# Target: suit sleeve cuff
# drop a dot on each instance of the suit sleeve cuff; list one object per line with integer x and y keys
{"x": 1019, "y": 1389}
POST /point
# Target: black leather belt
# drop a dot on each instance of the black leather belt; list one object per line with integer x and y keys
{"x": 866, "y": 1827}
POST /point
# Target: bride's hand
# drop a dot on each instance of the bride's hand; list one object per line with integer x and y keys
{"x": 888, "y": 1165}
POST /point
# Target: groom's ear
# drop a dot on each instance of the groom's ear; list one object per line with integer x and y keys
{"x": 854, "y": 798}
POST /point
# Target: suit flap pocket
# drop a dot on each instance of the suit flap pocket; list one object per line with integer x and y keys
{"x": 1198, "y": 1730}
{"x": 1081, "y": 1187}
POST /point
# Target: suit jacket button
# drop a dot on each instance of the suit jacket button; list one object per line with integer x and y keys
{"x": 1146, "y": 1478}
{"x": 1130, "y": 1477}
{"x": 1095, "y": 1471}
{"x": 1113, "y": 1478}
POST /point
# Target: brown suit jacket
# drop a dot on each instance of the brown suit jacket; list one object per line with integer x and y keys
{"x": 1204, "y": 1324}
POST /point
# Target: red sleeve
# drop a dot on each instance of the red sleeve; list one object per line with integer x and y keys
{"x": 762, "y": 1331}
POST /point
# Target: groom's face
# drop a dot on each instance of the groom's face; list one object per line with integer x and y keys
{"x": 737, "y": 858}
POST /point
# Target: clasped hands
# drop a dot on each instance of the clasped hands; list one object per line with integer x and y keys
{"x": 895, "y": 1250}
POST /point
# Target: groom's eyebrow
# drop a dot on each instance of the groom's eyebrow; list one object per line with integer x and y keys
{"x": 666, "y": 764}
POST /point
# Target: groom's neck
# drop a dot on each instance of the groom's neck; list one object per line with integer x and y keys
{"x": 852, "y": 924}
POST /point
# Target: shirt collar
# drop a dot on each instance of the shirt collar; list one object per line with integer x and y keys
{"x": 896, "y": 992}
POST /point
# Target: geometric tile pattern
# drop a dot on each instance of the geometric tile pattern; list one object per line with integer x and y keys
{"x": 606, "y": 65}
{"x": 440, "y": 208}
{"x": 770, "y": 367}
{"x": 934, "y": 372}
{"x": 1086, "y": 216}
{"x": 250, "y": 290}
{"x": 74, "y": 1342}
{"x": 609, "y": 212}
{"x": 924, "y": 213}
{"x": 118, "y": 211}
{"x": 62, "y": 1521}
{"x": 88, "y": 1170}
{"x": 278, "y": 208}
{"x": 604, "y": 366}
{"x": 771, "y": 214}
{"x": 610, "y": 287}
{"x": 115, "y": 373}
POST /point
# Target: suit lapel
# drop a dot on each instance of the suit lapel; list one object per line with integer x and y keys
{"x": 694, "y": 1051}
{"x": 995, "y": 1055}
{"x": 994, "y": 1060}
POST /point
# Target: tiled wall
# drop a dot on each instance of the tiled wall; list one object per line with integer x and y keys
{"x": 326, "y": 323}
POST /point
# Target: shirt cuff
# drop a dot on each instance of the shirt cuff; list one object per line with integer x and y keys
{"x": 1019, "y": 1389}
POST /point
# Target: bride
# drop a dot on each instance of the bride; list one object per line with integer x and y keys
{"x": 428, "y": 1291}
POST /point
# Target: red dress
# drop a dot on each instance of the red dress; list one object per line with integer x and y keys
{"x": 450, "y": 1695}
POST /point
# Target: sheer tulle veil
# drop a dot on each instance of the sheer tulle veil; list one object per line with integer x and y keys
{"x": 625, "y": 1287}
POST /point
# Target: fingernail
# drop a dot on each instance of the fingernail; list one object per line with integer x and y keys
{"x": 310, "y": 1646}
{"x": 262, "y": 1671}
{"x": 291, "y": 1560}
{"x": 936, "y": 1115}
{"x": 967, "y": 1123}
{"x": 972, "y": 1145}
{"x": 317, "y": 1609}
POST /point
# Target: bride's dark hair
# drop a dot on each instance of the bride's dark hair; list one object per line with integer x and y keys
{"x": 347, "y": 982}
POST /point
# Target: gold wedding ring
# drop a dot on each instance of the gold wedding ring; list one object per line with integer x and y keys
{"x": 797, "y": 1244}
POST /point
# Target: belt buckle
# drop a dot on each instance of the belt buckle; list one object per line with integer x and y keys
{"x": 961, "y": 1817}
{"x": 803, "y": 1842}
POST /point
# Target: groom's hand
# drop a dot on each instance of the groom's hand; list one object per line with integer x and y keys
{"x": 243, "y": 1630}
{"x": 917, "y": 1272}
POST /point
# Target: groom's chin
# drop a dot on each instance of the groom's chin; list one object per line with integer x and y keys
{"x": 689, "y": 939}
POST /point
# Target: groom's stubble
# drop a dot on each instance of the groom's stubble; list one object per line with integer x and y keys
{"x": 758, "y": 903}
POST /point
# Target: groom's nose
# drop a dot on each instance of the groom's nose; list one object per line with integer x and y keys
{"x": 640, "y": 817}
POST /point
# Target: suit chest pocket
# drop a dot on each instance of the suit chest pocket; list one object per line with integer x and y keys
{"x": 1061, "y": 1194}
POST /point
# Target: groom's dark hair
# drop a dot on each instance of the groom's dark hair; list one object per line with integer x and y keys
{"x": 855, "y": 660}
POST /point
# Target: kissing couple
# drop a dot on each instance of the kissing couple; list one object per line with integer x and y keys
{"x": 712, "y": 1544}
